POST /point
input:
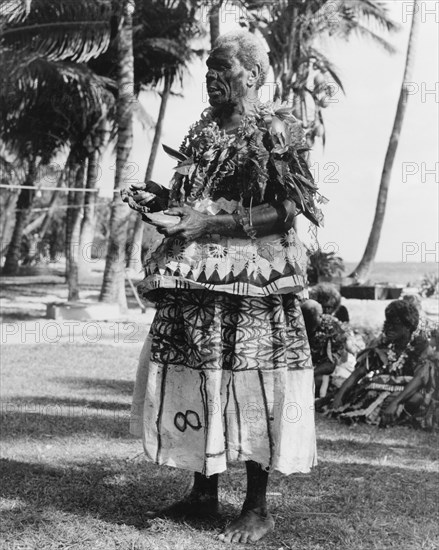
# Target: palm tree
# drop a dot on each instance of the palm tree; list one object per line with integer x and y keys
{"x": 101, "y": 137}
{"x": 76, "y": 171}
{"x": 22, "y": 211}
{"x": 361, "y": 272}
{"x": 304, "y": 76}
{"x": 161, "y": 54}
{"x": 113, "y": 285}
{"x": 35, "y": 35}
{"x": 214, "y": 19}
{"x": 55, "y": 104}
{"x": 11, "y": 173}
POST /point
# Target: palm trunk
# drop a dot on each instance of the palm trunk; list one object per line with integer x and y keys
{"x": 51, "y": 208}
{"x": 214, "y": 22}
{"x": 34, "y": 224}
{"x": 362, "y": 271}
{"x": 23, "y": 209}
{"x": 113, "y": 285}
{"x": 88, "y": 223}
{"x": 135, "y": 262}
{"x": 73, "y": 225}
{"x": 7, "y": 224}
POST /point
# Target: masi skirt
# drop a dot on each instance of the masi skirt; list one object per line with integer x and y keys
{"x": 224, "y": 378}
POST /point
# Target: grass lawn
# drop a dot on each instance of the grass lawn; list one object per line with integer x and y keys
{"x": 73, "y": 478}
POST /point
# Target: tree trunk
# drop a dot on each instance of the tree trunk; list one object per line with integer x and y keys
{"x": 214, "y": 22}
{"x": 73, "y": 225}
{"x": 135, "y": 261}
{"x": 362, "y": 271}
{"x": 113, "y": 285}
{"x": 51, "y": 208}
{"x": 7, "y": 216}
{"x": 88, "y": 224}
{"x": 23, "y": 209}
{"x": 35, "y": 224}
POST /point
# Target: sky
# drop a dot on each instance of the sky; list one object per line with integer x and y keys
{"x": 358, "y": 127}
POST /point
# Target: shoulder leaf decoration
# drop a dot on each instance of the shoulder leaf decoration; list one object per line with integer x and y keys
{"x": 176, "y": 155}
{"x": 262, "y": 162}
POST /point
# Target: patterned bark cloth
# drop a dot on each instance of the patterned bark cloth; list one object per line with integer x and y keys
{"x": 226, "y": 378}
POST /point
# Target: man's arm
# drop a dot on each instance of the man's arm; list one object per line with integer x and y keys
{"x": 264, "y": 219}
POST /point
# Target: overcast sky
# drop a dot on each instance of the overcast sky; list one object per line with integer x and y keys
{"x": 358, "y": 127}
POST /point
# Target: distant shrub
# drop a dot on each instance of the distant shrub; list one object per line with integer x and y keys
{"x": 323, "y": 266}
{"x": 429, "y": 285}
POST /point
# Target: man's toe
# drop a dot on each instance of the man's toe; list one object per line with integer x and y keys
{"x": 225, "y": 537}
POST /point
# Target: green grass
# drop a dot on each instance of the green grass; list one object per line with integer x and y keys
{"x": 73, "y": 478}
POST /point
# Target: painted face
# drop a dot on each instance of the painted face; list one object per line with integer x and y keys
{"x": 225, "y": 78}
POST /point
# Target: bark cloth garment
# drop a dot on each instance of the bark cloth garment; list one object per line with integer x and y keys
{"x": 224, "y": 378}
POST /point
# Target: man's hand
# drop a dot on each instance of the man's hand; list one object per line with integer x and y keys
{"x": 193, "y": 224}
{"x": 150, "y": 195}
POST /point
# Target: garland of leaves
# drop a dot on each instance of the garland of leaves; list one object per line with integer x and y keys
{"x": 328, "y": 343}
{"x": 392, "y": 363}
{"x": 268, "y": 147}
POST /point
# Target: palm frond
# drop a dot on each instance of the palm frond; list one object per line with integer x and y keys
{"x": 163, "y": 32}
{"x": 62, "y": 30}
{"x": 52, "y": 104}
{"x": 327, "y": 65}
{"x": 142, "y": 115}
{"x": 169, "y": 48}
{"x": 365, "y": 32}
{"x": 372, "y": 11}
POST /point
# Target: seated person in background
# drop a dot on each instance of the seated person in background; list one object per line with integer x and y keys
{"x": 330, "y": 299}
{"x": 422, "y": 390}
{"x": 312, "y": 315}
{"x": 327, "y": 339}
{"x": 354, "y": 345}
{"x": 384, "y": 369}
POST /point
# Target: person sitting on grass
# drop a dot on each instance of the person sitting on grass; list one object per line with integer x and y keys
{"x": 378, "y": 386}
{"x": 421, "y": 394}
{"x": 327, "y": 340}
{"x": 327, "y": 295}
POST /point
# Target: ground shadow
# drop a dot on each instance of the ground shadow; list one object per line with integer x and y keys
{"x": 374, "y": 450}
{"x": 121, "y": 492}
{"x": 112, "y": 385}
{"x": 36, "y": 403}
{"x": 51, "y": 420}
{"x": 6, "y": 317}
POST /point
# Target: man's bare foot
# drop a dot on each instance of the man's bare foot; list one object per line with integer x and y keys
{"x": 193, "y": 506}
{"x": 250, "y": 526}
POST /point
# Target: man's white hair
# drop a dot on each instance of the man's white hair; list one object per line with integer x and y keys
{"x": 249, "y": 50}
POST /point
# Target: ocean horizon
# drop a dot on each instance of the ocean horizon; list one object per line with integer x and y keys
{"x": 400, "y": 273}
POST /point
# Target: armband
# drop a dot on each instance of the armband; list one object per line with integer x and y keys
{"x": 246, "y": 223}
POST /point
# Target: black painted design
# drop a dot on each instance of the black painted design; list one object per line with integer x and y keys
{"x": 207, "y": 331}
{"x": 190, "y": 418}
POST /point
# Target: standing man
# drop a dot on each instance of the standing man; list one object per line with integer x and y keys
{"x": 225, "y": 373}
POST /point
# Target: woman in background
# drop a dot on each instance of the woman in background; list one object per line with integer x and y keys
{"x": 392, "y": 376}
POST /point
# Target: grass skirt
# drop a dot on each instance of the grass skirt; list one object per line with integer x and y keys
{"x": 224, "y": 378}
